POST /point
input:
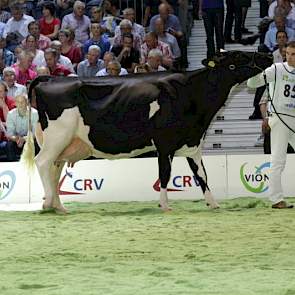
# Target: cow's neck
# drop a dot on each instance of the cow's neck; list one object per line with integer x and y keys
{"x": 212, "y": 90}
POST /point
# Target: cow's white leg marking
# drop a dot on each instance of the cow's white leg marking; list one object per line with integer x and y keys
{"x": 56, "y": 202}
{"x": 164, "y": 200}
{"x": 197, "y": 158}
{"x": 164, "y": 162}
{"x": 56, "y": 137}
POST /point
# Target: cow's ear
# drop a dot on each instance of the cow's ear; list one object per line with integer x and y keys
{"x": 209, "y": 63}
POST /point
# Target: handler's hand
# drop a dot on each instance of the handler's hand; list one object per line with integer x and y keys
{"x": 265, "y": 127}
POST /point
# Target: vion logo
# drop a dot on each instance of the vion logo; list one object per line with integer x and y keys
{"x": 178, "y": 183}
{"x": 255, "y": 181}
{"x": 80, "y": 185}
{"x": 7, "y": 182}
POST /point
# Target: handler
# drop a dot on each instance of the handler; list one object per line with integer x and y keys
{"x": 281, "y": 79}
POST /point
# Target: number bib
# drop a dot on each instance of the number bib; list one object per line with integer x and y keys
{"x": 284, "y": 90}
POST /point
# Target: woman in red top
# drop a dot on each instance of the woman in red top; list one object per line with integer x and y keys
{"x": 68, "y": 47}
{"x": 6, "y": 104}
{"x": 49, "y": 24}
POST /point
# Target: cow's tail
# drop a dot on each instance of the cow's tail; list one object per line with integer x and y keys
{"x": 28, "y": 153}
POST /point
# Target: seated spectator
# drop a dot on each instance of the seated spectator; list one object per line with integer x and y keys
{"x": 30, "y": 7}
{"x": 167, "y": 38}
{"x": 23, "y": 69}
{"x": 155, "y": 60}
{"x": 107, "y": 58}
{"x": 17, "y": 127}
{"x": 4, "y": 15}
{"x": 3, "y": 140}
{"x": 2, "y": 27}
{"x": 49, "y": 24}
{"x": 279, "y": 55}
{"x": 126, "y": 27}
{"x": 110, "y": 8}
{"x": 64, "y": 7}
{"x": 270, "y": 37}
{"x": 97, "y": 38}
{"x": 43, "y": 71}
{"x": 43, "y": 42}
{"x": 126, "y": 54}
{"x": 6, "y": 104}
{"x": 61, "y": 59}
{"x": 96, "y": 14}
{"x": 108, "y": 23}
{"x": 79, "y": 22}
{"x": 19, "y": 21}
{"x": 284, "y": 8}
{"x": 31, "y": 46}
{"x": 113, "y": 68}
{"x": 92, "y": 64}
{"x": 14, "y": 88}
{"x": 151, "y": 9}
{"x": 73, "y": 40}
{"x": 171, "y": 21}
{"x": 18, "y": 49}
{"x": 68, "y": 49}
{"x": 6, "y": 56}
{"x": 55, "y": 68}
{"x": 129, "y": 14}
{"x": 151, "y": 42}
{"x": 111, "y": 15}
{"x": 153, "y": 64}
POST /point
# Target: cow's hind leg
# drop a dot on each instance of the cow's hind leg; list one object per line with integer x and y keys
{"x": 164, "y": 162}
{"x": 56, "y": 137}
{"x": 56, "y": 202}
{"x": 199, "y": 171}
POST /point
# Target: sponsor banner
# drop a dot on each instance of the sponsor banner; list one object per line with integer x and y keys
{"x": 249, "y": 176}
{"x": 137, "y": 180}
{"x": 14, "y": 184}
{"x": 132, "y": 180}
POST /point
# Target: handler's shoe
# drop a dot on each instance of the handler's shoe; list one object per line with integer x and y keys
{"x": 282, "y": 205}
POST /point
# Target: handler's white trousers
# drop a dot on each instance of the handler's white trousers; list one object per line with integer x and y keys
{"x": 280, "y": 137}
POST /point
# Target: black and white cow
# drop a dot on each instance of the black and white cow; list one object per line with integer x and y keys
{"x": 127, "y": 116}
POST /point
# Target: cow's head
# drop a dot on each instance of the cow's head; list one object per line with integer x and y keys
{"x": 240, "y": 65}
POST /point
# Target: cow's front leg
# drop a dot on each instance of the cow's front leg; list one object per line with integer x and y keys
{"x": 164, "y": 163}
{"x": 196, "y": 165}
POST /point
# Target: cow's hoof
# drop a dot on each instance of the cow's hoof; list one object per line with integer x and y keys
{"x": 59, "y": 208}
{"x": 61, "y": 211}
{"x": 46, "y": 208}
{"x": 165, "y": 208}
{"x": 46, "y": 204}
{"x": 213, "y": 205}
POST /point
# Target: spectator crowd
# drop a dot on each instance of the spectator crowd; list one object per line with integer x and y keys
{"x": 79, "y": 38}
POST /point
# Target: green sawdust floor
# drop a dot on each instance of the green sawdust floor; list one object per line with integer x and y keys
{"x": 133, "y": 248}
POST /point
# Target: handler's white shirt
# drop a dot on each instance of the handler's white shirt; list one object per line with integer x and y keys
{"x": 281, "y": 79}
